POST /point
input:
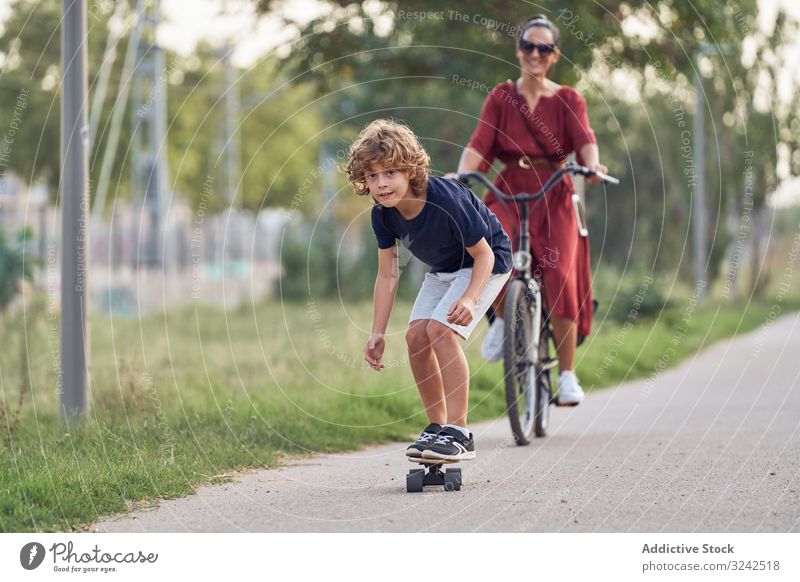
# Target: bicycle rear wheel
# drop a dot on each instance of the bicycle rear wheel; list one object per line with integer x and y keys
{"x": 518, "y": 360}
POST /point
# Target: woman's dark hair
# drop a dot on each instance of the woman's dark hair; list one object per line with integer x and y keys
{"x": 542, "y": 21}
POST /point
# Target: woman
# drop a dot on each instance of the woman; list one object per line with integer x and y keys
{"x": 532, "y": 125}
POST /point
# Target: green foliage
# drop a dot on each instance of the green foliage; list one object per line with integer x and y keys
{"x": 15, "y": 267}
{"x": 278, "y": 128}
{"x": 279, "y": 133}
{"x": 434, "y": 72}
{"x": 320, "y": 262}
{"x": 308, "y": 260}
{"x": 632, "y": 296}
{"x": 31, "y": 76}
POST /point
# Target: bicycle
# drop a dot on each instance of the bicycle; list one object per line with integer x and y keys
{"x": 529, "y": 348}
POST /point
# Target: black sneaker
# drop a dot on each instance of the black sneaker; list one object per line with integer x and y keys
{"x": 424, "y": 441}
{"x": 451, "y": 444}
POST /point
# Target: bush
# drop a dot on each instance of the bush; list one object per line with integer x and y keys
{"x": 14, "y": 268}
{"x": 635, "y": 291}
{"x": 317, "y": 263}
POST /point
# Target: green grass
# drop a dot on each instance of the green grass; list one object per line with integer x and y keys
{"x": 186, "y": 398}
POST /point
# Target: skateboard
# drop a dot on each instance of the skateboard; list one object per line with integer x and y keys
{"x": 431, "y": 474}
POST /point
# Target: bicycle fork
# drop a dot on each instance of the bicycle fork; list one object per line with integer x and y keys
{"x": 535, "y": 298}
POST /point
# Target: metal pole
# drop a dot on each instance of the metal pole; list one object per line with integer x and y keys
{"x": 120, "y": 104}
{"x": 156, "y": 190}
{"x": 101, "y": 86}
{"x": 234, "y": 249}
{"x": 74, "y": 216}
{"x": 699, "y": 224}
{"x": 232, "y": 161}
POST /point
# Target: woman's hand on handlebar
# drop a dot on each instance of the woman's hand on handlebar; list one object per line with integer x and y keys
{"x": 596, "y": 179}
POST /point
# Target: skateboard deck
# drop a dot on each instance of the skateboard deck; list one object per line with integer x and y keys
{"x": 424, "y": 461}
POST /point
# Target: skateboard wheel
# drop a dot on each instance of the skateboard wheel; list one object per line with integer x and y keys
{"x": 414, "y": 480}
{"x": 452, "y": 480}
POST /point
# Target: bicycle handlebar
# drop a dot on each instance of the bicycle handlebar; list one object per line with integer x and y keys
{"x": 569, "y": 168}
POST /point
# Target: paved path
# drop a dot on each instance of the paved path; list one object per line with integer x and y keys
{"x": 712, "y": 445}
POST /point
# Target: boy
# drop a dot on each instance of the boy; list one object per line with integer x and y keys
{"x": 446, "y": 226}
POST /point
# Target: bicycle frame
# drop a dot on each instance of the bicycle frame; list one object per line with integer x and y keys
{"x": 522, "y": 258}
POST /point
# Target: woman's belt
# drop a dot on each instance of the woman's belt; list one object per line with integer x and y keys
{"x": 529, "y": 163}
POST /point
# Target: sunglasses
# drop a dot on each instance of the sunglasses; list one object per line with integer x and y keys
{"x": 528, "y": 47}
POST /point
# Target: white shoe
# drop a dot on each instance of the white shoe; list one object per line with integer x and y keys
{"x": 570, "y": 392}
{"x": 492, "y": 348}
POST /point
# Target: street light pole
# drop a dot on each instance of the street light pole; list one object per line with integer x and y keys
{"x": 700, "y": 258}
{"x": 699, "y": 221}
{"x": 74, "y": 212}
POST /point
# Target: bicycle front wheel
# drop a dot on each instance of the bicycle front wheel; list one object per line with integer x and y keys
{"x": 518, "y": 360}
{"x": 544, "y": 392}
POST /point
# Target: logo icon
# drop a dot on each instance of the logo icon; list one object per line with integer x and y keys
{"x": 31, "y": 555}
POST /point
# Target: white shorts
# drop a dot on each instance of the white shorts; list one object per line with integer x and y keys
{"x": 440, "y": 290}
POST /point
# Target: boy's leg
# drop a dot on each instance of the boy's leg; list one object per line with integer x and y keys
{"x": 454, "y": 371}
{"x": 425, "y": 368}
{"x": 445, "y": 339}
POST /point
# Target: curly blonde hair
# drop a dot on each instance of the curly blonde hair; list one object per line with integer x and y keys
{"x": 392, "y": 145}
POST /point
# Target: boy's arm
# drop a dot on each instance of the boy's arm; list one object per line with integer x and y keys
{"x": 463, "y": 310}
{"x": 385, "y": 289}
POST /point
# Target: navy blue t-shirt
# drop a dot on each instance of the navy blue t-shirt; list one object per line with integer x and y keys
{"x": 452, "y": 219}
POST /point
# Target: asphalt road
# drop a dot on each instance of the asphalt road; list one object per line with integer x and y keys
{"x": 711, "y": 445}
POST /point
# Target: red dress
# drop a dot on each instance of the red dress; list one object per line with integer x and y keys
{"x": 561, "y": 255}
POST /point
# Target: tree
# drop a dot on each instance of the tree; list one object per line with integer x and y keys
{"x": 31, "y": 77}
{"x": 432, "y": 65}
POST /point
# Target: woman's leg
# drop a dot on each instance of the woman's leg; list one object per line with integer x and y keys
{"x": 425, "y": 368}
{"x": 565, "y": 334}
{"x": 454, "y": 371}
{"x": 554, "y": 240}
